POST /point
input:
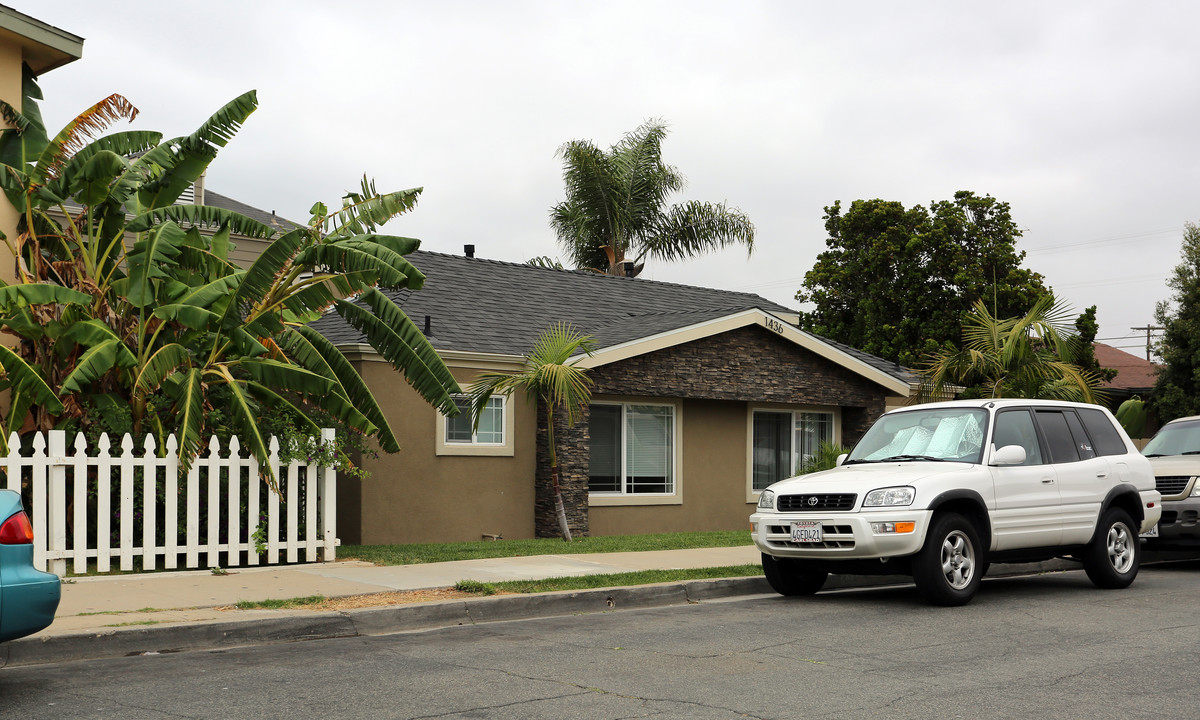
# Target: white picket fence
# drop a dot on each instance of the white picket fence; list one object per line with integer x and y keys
{"x": 165, "y": 519}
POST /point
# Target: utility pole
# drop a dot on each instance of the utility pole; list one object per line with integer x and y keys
{"x": 1148, "y": 329}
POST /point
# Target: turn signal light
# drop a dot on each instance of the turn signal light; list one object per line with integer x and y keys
{"x": 16, "y": 530}
{"x": 882, "y": 528}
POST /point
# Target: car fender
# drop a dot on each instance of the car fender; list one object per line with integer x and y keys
{"x": 967, "y": 502}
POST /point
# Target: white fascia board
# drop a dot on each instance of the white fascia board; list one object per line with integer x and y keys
{"x": 741, "y": 319}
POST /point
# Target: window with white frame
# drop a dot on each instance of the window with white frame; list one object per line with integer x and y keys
{"x": 783, "y": 441}
{"x": 632, "y": 449}
{"x": 460, "y": 430}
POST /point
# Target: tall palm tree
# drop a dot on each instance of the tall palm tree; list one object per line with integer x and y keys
{"x": 1028, "y": 357}
{"x": 615, "y": 211}
{"x": 548, "y": 376}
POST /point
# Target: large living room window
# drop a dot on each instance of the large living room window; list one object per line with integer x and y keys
{"x": 782, "y": 441}
{"x": 632, "y": 449}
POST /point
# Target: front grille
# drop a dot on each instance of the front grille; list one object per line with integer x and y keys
{"x": 1169, "y": 485}
{"x": 816, "y": 501}
{"x": 835, "y": 536}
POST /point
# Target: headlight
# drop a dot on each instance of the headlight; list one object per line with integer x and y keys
{"x": 889, "y": 497}
{"x": 766, "y": 500}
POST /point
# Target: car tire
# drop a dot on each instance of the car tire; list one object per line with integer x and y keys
{"x": 789, "y": 577}
{"x": 1112, "y": 558}
{"x": 949, "y": 568}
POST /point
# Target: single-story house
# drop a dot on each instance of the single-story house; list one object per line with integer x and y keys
{"x": 701, "y": 398}
{"x": 1135, "y": 377}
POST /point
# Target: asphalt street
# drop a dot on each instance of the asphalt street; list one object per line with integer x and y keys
{"x": 1039, "y": 646}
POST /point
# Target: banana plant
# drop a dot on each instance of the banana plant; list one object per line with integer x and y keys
{"x": 120, "y": 296}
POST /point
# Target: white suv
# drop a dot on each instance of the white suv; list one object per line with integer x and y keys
{"x": 939, "y": 491}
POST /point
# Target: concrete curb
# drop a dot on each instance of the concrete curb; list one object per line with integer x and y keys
{"x": 304, "y": 625}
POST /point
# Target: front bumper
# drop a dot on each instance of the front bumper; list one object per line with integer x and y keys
{"x": 846, "y": 536}
{"x": 1179, "y": 525}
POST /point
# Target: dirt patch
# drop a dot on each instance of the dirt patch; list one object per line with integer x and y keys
{"x": 381, "y": 599}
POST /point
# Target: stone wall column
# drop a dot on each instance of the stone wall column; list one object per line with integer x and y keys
{"x": 572, "y": 474}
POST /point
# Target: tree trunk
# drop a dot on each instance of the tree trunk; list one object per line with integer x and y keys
{"x": 558, "y": 505}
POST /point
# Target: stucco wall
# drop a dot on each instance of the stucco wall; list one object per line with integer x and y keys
{"x": 711, "y": 477}
{"x": 418, "y": 496}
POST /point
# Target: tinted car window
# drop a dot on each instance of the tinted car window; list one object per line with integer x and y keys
{"x": 1106, "y": 439}
{"x": 1015, "y": 427}
{"x": 1058, "y": 436}
{"x": 1082, "y": 443}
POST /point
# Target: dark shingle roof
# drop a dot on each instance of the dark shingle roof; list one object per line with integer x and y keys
{"x": 487, "y": 306}
{"x": 267, "y": 218}
{"x": 479, "y": 305}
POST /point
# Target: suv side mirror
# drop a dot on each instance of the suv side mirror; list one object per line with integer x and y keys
{"x": 841, "y": 459}
{"x": 1009, "y": 455}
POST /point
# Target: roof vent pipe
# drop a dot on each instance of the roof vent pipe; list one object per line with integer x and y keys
{"x": 427, "y": 326}
{"x": 469, "y": 250}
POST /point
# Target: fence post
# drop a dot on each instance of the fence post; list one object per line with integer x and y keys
{"x": 12, "y": 465}
{"x": 127, "y": 467}
{"x": 149, "y": 503}
{"x": 233, "y": 525}
{"x": 79, "y": 472}
{"x": 103, "y": 504}
{"x": 171, "y": 481}
{"x": 328, "y": 504}
{"x": 56, "y": 501}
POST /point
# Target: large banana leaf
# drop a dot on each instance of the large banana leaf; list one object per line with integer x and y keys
{"x": 202, "y": 215}
{"x": 401, "y": 343}
{"x": 13, "y": 297}
{"x": 361, "y": 213}
{"x": 96, "y": 362}
{"x": 26, "y": 380}
{"x": 185, "y": 160}
{"x": 292, "y": 378}
{"x": 260, "y": 278}
{"x": 309, "y": 348}
{"x": 149, "y": 259}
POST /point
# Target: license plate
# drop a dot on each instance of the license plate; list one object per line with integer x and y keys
{"x": 806, "y": 532}
{"x": 1152, "y": 532}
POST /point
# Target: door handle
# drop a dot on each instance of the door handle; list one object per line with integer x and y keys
{"x": 1047, "y": 481}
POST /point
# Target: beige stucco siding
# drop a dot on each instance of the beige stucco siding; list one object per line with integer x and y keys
{"x": 711, "y": 477}
{"x": 419, "y": 496}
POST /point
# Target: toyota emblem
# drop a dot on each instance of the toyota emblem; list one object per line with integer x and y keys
{"x": 812, "y": 499}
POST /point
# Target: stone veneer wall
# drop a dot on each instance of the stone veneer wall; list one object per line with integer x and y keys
{"x": 573, "y": 444}
{"x": 749, "y": 364}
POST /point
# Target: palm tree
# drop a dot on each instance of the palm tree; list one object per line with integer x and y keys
{"x": 614, "y": 212}
{"x": 1027, "y": 357}
{"x": 548, "y": 377}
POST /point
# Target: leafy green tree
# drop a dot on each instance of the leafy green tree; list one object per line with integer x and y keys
{"x": 615, "y": 211}
{"x": 122, "y": 302}
{"x": 897, "y": 282}
{"x": 1177, "y": 390}
{"x": 1087, "y": 328}
{"x": 550, "y": 378}
{"x": 1033, "y": 356}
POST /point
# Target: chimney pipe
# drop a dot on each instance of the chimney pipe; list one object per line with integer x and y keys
{"x": 427, "y": 325}
{"x": 469, "y": 250}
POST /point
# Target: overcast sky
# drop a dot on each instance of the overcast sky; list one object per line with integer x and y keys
{"x": 1081, "y": 115}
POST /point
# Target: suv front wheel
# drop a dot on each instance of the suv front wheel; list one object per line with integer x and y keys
{"x": 1112, "y": 558}
{"x": 950, "y": 566}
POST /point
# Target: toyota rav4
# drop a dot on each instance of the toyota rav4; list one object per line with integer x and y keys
{"x": 940, "y": 491}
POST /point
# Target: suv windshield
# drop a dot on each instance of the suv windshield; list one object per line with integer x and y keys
{"x": 1177, "y": 438}
{"x": 954, "y": 434}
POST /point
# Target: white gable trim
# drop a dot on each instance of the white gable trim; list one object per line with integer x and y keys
{"x": 754, "y": 316}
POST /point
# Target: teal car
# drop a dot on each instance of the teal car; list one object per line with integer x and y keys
{"x": 28, "y": 596}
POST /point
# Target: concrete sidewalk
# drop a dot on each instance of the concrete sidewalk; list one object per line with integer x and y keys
{"x": 124, "y": 615}
{"x": 169, "y": 611}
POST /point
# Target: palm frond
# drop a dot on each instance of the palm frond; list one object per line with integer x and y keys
{"x": 205, "y": 215}
{"x": 79, "y": 131}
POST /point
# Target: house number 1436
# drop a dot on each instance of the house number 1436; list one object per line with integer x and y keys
{"x": 774, "y": 325}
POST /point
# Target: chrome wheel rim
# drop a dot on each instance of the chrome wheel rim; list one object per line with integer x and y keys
{"x": 1120, "y": 547}
{"x": 958, "y": 560}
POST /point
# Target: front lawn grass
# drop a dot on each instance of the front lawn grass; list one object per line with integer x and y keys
{"x": 441, "y": 552}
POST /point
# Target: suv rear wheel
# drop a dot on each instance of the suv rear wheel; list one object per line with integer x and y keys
{"x": 949, "y": 568}
{"x": 1112, "y": 558}
{"x": 790, "y": 577}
